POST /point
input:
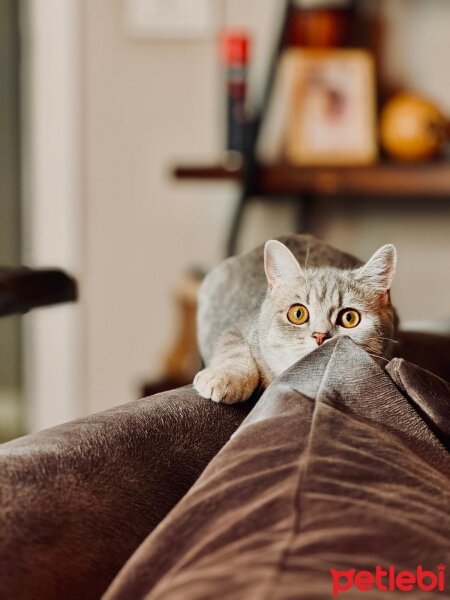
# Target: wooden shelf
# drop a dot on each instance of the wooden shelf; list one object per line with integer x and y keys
{"x": 384, "y": 179}
{"x": 208, "y": 172}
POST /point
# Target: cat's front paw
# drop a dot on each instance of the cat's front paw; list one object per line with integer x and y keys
{"x": 222, "y": 385}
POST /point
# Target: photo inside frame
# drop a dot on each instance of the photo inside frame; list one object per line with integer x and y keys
{"x": 323, "y": 109}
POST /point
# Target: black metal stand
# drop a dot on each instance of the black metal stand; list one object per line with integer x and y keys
{"x": 249, "y": 188}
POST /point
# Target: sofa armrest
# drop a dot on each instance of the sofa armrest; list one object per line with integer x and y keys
{"x": 77, "y": 499}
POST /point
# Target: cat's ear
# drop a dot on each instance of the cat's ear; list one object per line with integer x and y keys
{"x": 379, "y": 270}
{"x": 280, "y": 264}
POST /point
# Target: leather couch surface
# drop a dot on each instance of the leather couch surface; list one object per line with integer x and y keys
{"x": 76, "y": 500}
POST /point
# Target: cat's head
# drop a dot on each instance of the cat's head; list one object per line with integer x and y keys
{"x": 304, "y": 308}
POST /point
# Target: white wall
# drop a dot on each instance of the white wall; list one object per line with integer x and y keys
{"x": 146, "y": 105}
{"x": 52, "y": 231}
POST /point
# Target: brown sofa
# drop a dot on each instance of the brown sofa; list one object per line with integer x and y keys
{"x": 77, "y": 500}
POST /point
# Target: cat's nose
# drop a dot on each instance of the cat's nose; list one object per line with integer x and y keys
{"x": 321, "y": 337}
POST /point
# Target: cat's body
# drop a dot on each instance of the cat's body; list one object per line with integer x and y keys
{"x": 246, "y": 334}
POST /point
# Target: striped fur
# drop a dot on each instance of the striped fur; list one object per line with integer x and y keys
{"x": 244, "y": 334}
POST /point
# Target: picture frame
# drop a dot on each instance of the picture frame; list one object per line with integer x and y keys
{"x": 332, "y": 116}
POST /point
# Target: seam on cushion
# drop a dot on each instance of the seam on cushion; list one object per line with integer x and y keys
{"x": 299, "y": 489}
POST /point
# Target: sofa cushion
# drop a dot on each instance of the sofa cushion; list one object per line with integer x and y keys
{"x": 332, "y": 470}
{"x": 429, "y": 393}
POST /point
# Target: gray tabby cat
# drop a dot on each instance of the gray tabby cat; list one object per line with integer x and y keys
{"x": 261, "y": 312}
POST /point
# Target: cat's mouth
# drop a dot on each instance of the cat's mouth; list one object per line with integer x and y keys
{"x": 372, "y": 347}
{"x": 318, "y": 340}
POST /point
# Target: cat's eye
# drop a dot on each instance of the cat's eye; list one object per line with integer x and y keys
{"x": 348, "y": 318}
{"x": 298, "y": 314}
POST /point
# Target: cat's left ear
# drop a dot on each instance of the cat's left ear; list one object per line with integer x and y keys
{"x": 379, "y": 270}
{"x": 280, "y": 264}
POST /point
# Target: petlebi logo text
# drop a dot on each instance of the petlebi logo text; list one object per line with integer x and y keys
{"x": 388, "y": 580}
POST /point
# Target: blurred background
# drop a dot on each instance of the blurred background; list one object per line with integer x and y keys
{"x": 127, "y": 144}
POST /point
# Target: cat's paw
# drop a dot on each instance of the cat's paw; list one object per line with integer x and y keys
{"x": 222, "y": 385}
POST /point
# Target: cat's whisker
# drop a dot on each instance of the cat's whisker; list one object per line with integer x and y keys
{"x": 380, "y": 337}
{"x": 378, "y": 356}
{"x": 307, "y": 255}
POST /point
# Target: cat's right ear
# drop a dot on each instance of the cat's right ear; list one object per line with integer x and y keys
{"x": 279, "y": 264}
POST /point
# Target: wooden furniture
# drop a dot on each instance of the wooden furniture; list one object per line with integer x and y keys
{"x": 380, "y": 182}
{"x": 385, "y": 181}
{"x": 182, "y": 360}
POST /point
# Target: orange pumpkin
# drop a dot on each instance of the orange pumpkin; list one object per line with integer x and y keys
{"x": 412, "y": 128}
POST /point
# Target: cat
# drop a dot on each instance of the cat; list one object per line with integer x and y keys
{"x": 259, "y": 313}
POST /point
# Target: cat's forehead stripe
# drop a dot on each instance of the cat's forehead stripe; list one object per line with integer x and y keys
{"x": 325, "y": 287}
